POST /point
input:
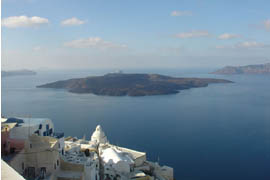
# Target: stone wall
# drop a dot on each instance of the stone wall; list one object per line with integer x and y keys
{"x": 66, "y": 166}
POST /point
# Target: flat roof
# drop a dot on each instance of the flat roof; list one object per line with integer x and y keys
{"x": 29, "y": 121}
{"x": 112, "y": 154}
{"x": 135, "y": 154}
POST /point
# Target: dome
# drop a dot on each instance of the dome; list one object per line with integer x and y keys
{"x": 99, "y": 135}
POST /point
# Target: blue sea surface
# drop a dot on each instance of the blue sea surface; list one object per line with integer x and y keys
{"x": 219, "y": 132}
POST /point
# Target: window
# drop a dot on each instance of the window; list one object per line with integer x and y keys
{"x": 45, "y": 133}
{"x": 40, "y": 126}
{"x": 47, "y": 126}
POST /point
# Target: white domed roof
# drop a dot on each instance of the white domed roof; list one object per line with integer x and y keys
{"x": 99, "y": 135}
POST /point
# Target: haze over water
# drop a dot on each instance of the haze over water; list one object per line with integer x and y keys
{"x": 218, "y": 132}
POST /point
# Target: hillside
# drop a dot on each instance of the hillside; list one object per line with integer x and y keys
{"x": 250, "y": 69}
{"x": 17, "y": 73}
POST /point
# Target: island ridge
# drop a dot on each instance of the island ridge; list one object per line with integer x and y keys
{"x": 121, "y": 84}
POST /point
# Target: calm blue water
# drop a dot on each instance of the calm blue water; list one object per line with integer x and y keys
{"x": 219, "y": 132}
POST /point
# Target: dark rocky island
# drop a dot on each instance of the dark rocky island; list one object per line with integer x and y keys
{"x": 17, "y": 73}
{"x": 118, "y": 84}
{"x": 250, "y": 69}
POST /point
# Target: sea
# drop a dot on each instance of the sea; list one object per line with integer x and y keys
{"x": 219, "y": 132}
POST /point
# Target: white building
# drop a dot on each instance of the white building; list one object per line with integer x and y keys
{"x": 78, "y": 159}
{"x": 161, "y": 172}
{"x": 28, "y": 126}
{"x": 123, "y": 163}
{"x": 138, "y": 157}
{"x": 81, "y": 156}
{"x": 16, "y": 130}
{"x": 39, "y": 158}
{"x": 99, "y": 136}
{"x": 120, "y": 162}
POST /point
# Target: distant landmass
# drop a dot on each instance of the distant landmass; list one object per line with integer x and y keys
{"x": 17, "y": 73}
{"x": 250, "y": 69}
{"x": 120, "y": 84}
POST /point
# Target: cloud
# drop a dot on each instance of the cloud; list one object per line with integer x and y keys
{"x": 181, "y": 13}
{"x": 250, "y": 44}
{"x": 72, "y": 22}
{"x": 266, "y": 24}
{"x": 228, "y": 36}
{"x": 93, "y": 42}
{"x": 23, "y": 21}
{"x": 245, "y": 45}
{"x": 193, "y": 34}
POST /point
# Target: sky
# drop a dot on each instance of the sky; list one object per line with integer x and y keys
{"x": 119, "y": 34}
